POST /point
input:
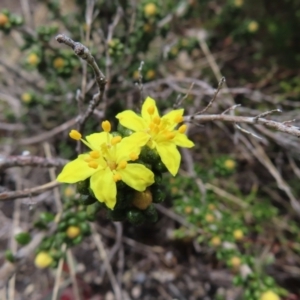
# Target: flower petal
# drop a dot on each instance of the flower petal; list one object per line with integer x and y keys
{"x": 182, "y": 140}
{"x": 132, "y": 143}
{"x": 171, "y": 117}
{"x": 149, "y": 102}
{"x": 97, "y": 139}
{"x": 137, "y": 176}
{"x": 131, "y": 120}
{"x": 75, "y": 171}
{"x": 104, "y": 187}
{"x": 170, "y": 156}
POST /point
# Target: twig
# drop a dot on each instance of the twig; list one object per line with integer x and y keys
{"x": 262, "y": 115}
{"x": 293, "y": 130}
{"x": 104, "y": 257}
{"x": 58, "y": 274}
{"x": 230, "y": 109}
{"x": 247, "y": 131}
{"x": 221, "y": 82}
{"x": 5, "y": 196}
{"x": 34, "y": 161}
{"x": 83, "y": 52}
{"x": 49, "y": 134}
{"x": 71, "y": 266}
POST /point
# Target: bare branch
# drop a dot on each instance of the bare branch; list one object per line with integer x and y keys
{"x": 5, "y": 196}
{"x": 221, "y": 82}
{"x": 293, "y": 130}
{"x": 84, "y": 53}
{"x": 35, "y": 161}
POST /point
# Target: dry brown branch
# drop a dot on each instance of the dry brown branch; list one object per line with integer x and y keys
{"x": 5, "y": 196}
{"x": 34, "y": 161}
{"x": 293, "y": 130}
{"x": 49, "y": 134}
{"x": 83, "y": 52}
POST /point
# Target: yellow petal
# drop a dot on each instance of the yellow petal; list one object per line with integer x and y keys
{"x": 130, "y": 144}
{"x": 172, "y": 117}
{"x": 137, "y": 176}
{"x": 97, "y": 139}
{"x": 170, "y": 156}
{"x": 104, "y": 187}
{"x": 131, "y": 120}
{"x": 75, "y": 171}
{"x": 182, "y": 140}
{"x": 148, "y": 104}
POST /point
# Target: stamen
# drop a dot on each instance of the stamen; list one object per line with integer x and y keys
{"x": 182, "y": 128}
{"x": 151, "y": 109}
{"x": 88, "y": 159}
{"x": 170, "y": 135}
{"x": 133, "y": 156}
{"x": 106, "y": 126}
{"x": 156, "y": 120}
{"x": 115, "y": 140}
{"x": 178, "y": 119}
{"x": 93, "y": 164}
{"x": 95, "y": 154}
{"x": 122, "y": 164}
{"x": 117, "y": 177}
{"x": 75, "y": 135}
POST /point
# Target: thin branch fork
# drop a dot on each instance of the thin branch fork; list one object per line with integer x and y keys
{"x": 283, "y": 127}
{"x": 83, "y": 52}
{"x": 34, "y": 161}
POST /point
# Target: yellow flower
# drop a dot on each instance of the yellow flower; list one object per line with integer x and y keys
{"x": 3, "y": 20}
{"x": 150, "y": 9}
{"x": 58, "y": 63}
{"x": 26, "y": 97}
{"x": 150, "y": 74}
{"x": 235, "y": 262}
{"x": 159, "y": 132}
{"x": 238, "y": 3}
{"x": 209, "y": 218}
{"x": 43, "y": 260}
{"x": 73, "y": 232}
{"x": 253, "y": 26}
{"x": 229, "y": 164}
{"x": 33, "y": 59}
{"x": 216, "y": 241}
{"x": 269, "y": 295}
{"x": 238, "y": 234}
{"x": 107, "y": 163}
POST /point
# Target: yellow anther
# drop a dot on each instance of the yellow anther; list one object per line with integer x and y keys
{"x": 75, "y": 135}
{"x": 88, "y": 159}
{"x": 106, "y": 126}
{"x": 93, "y": 164}
{"x": 117, "y": 177}
{"x": 170, "y": 135}
{"x": 95, "y": 154}
{"x": 182, "y": 128}
{"x": 115, "y": 140}
{"x": 122, "y": 164}
{"x": 156, "y": 120}
{"x": 133, "y": 156}
{"x": 151, "y": 109}
{"x": 178, "y": 119}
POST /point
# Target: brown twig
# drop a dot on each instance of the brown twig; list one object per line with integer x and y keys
{"x": 221, "y": 82}
{"x": 34, "y": 161}
{"x": 5, "y": 196}
{"x": 293, "y": 130}
{"x": 83, "y": 52}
